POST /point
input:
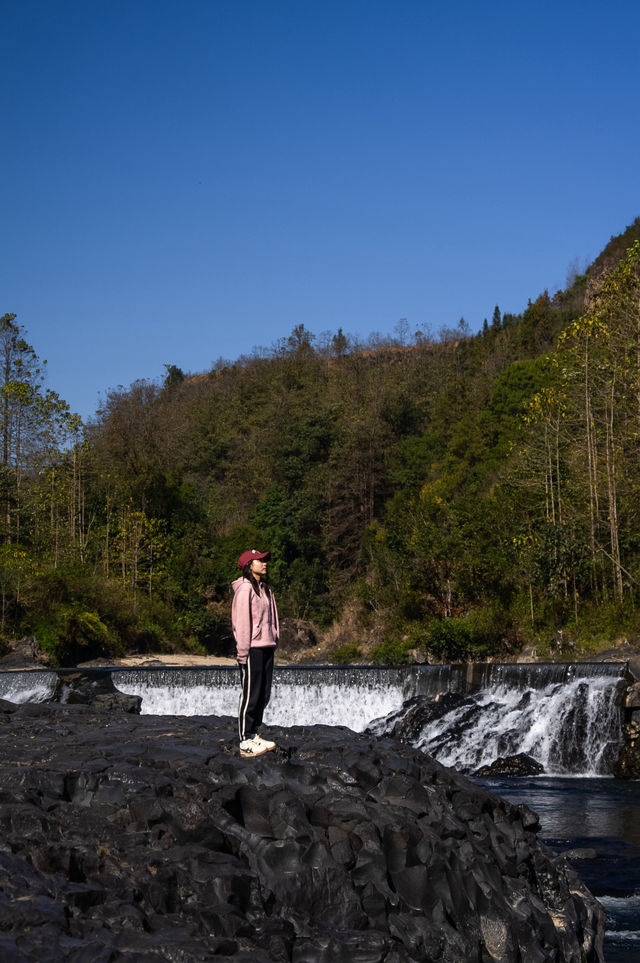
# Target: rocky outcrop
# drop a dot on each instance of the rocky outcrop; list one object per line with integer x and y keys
{"x": 148, "y": 838}
{"x": 93, "y": 687}
{"x": 296, "y": 635}
{"x": 23, "y": 653}
{"x": 520, "y": 764}
{"x": 409, "y": 722}
{"x": 628, "y": 764}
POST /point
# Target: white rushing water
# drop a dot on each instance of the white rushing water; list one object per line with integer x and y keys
{"x": 568, "y": 719}
{"x": 325, "y": 697}
{"x": 31, "y": 686}
{"x": 567, "y": 728}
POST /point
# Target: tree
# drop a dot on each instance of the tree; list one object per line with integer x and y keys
{"x": 402, "y": 331}
{"x": 33, "y": 422}
{"x": 586, "y": 423}
{"x": 339, "y": 343}
{"x": 20, "y": 381}
{"x": 141, "y": 548}
{"x": 175, "y": 376}
{"x": 300, "y": 342}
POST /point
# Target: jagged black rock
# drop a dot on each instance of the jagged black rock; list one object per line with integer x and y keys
{"x": 128, "y": 837}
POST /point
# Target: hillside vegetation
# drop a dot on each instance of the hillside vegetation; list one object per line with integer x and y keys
{"x": 463, "y": 495}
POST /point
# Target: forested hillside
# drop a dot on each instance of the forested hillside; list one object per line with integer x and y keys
{"x": 457, "y": 493}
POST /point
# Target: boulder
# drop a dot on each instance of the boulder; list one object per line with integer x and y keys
{"x": 627, "y": 765}
{"x": 138, "y": 837}
{"x": 622, "y": 651}
{"x": 632, "y": 696}
{"x": 296, "y": 635}
{"x": 408, "y": 722}
{"x": 520, "y": 764}
{"x": 23, "y": 654}
{"x": 95, "y": 688}
{"x": 633, "y": 666}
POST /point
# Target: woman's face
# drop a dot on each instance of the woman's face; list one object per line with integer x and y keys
{"x": 259, "y": 568}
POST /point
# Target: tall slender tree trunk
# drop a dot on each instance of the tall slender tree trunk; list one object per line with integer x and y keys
{"x": 107, "y": 547}
{"x": 592, "y": 462}
{"x": 549, "y": 485}
{"x": 558, "y": 480}
{"x": 618, "y": 584}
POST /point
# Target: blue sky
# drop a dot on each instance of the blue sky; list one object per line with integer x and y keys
{"x": 184, "y": 180}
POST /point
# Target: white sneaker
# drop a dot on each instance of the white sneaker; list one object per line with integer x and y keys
{"x": 252, "y": 747}
{"x": 265, "y": 743}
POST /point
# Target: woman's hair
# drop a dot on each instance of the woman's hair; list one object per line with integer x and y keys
{"x": 247, "y": 573}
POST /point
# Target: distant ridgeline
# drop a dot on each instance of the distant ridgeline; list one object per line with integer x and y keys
{"x": 462, "y": 494}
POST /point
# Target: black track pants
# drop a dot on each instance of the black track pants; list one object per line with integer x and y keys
{"x": 255, "y": 679}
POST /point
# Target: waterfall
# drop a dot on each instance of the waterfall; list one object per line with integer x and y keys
{"x": 567, "y": 716}
{"x": 309, "y": 696}
{"x": 27, "y": 686}
{"x": 568, "y": 721}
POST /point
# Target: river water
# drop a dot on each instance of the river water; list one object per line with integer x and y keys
{"x": 598, "y": 820}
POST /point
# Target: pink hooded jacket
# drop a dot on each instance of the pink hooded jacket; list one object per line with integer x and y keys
{"x": 254, "y": 618}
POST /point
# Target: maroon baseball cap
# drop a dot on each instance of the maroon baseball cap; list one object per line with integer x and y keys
{"x": 253, "y": 556}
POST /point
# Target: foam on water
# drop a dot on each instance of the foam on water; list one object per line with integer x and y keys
{"x": 322, "y": 697}
{"x": 29, "y": 686}
{"x": 573, "y": 727}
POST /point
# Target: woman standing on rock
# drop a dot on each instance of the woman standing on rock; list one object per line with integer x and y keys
{"x": 254, "y": 618}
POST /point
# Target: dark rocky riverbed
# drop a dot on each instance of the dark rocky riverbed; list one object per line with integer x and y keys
{"x": 128, "y": 837}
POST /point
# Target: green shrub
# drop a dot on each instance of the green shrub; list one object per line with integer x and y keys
{"x": 85, "y": 637}
{"x": 597, "y": 628}
{"x": 345, "y": 654}
{"x": 394, "y": 652}
{"x": 204, "y": 630}
{"x": 78, "y": 617}
{"x": 451, "y": 640}
{"x": 603, "y": 624}
{"x": 482, "y": 632}
{"x": 73, "y": 634}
